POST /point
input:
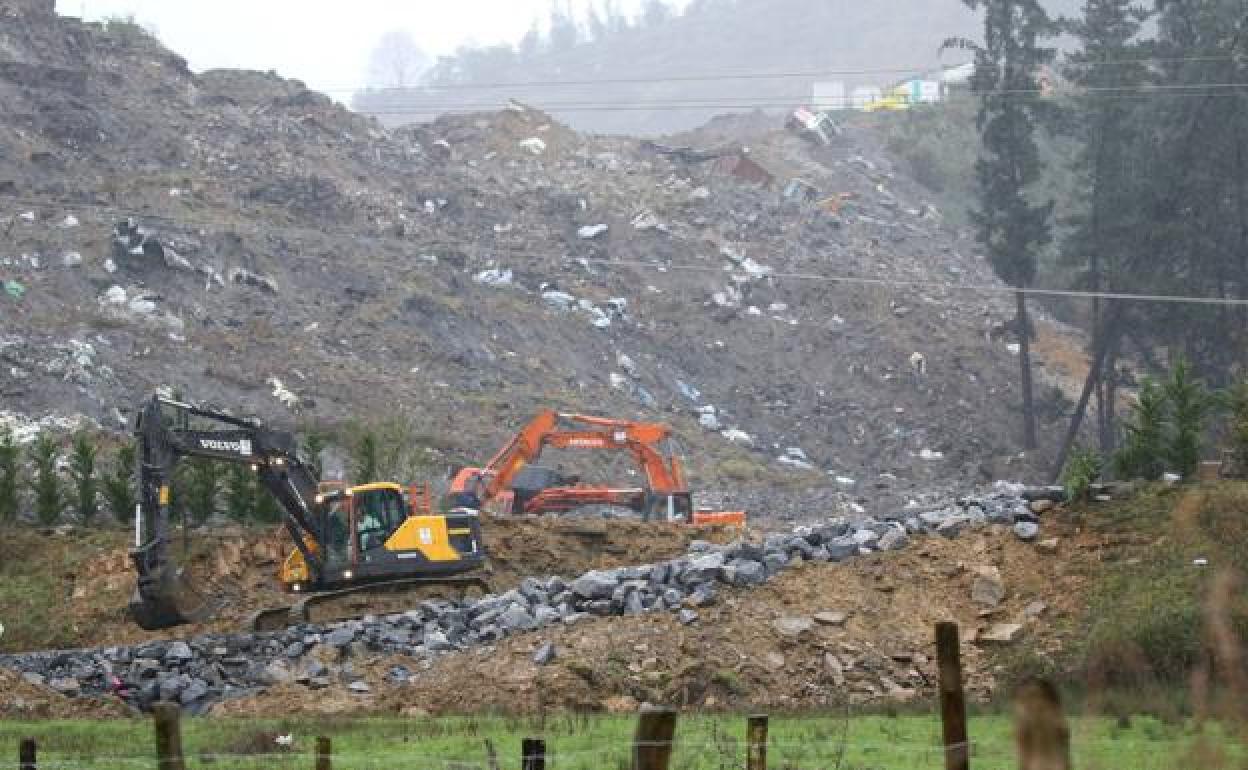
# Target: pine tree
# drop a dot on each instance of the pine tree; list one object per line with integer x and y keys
{"x": 49, "y": 497}
{"x": 119, "y": 485}
{"x": 203, "y": 486}
{"x": 1190, "y": 405}
{"x": 1010, "y": 227}
{"x": 241, "y": 493}
{"x": 1144, "y": 445}
{"x": 82, "y": 471}
{"x": 367, "y": 458}
{"x": 1104, "y": 238}
{"x": 10, "y": 457}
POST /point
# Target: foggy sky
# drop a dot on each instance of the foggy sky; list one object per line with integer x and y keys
{"x": 324, "y": 43}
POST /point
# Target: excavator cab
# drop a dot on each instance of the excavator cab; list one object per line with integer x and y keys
{"x": 373, "y": 532}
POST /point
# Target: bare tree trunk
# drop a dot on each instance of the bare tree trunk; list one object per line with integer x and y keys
{"x": 1106, "y": 340}
{"x": 1024, "y": 361}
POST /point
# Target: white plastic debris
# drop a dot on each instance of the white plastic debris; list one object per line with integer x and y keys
{"x": 114, "y": 296}
{"x": 1170, "y": 479}
{"x": 110, "y": 266}
{"x": 751, "y": 310}
{"x": 69, "y": 221}
{"x": 71, "y": 259}
{"x": 28, "y": 216}
{"x": 283, "y": 393}
{"x": 534, "y": 145}
{"x": 1200, "y": 562}
{"x": 285, "y": 740}
{"x": 708, "y": 421}
{"x": 737, "y": 436}
{"x": 793, "y": 462}
{"x": 625, "y": 362}
{"x": 497, "y": 277}
{"x": 558, "y": 299}
{"x": 1014, "y": 348}
{"x": 845, "y": 481}
{"x": 618, "y": 380}
{"x": 755, "y": 269}
{"x": 646, "y": 220}
{"x": 796, "y": 453}
{"x": 928, "y": 454}
{"x": 589, "y": 232}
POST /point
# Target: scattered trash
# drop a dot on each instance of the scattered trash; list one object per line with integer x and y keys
{"x": 737, "y": 436}
{"x": 589, "y": 232}
{"x": 497, "y": 277}
{"x": 245, "y": 277}
{"x": 534, "y": 145}
{"x": 928, "y": 454}
{"x": 558, "y": 299}
{"x": 71, "y": 259}
{"x": 14, "y": 289}
{"x": 69, "y": 221}
{"x": 283, "y": 393}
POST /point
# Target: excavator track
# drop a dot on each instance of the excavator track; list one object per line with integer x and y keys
{"x": 310, "y": 608}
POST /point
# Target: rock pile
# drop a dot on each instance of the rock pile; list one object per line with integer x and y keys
{"x": 201, "y": 671}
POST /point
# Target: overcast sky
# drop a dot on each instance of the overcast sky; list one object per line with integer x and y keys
{"x": 326, "y": 44}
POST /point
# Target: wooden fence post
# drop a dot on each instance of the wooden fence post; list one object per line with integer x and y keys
{"x": 27, "y": 755}
{"x": 756, "y": 738}
{"x": 533, "y": 754}
{"x": 652, "y": 745}
{"x": 324, "y": 753}
{"x": 168, "y": 720}
{"x": 952, "y": 698}
{"x": 1040, "y": 729}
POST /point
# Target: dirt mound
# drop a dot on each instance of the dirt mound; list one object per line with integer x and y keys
{"x": 25, "y": 700}
{"x": 90, "y": 575}
{"x": 816, "y": 636}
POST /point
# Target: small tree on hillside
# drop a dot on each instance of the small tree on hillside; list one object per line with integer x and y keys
{"x": 82, "y": 471}
{"x": 241, "y": 493}
{"x": 1144, "y": 443}
{"x": 10, "y": 456}
{"x": 366, "y": 457}
{"x": 1190, "y": 405}
{"x": 119, "y": 485}
{"x": 1239, "y": 427}
{"x": 49, "y": 498}
{"x": 203, "y": 485}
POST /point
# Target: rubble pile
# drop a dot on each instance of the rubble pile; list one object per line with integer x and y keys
{"x": 204, "y": 670}
{"x": 467, "y": 272}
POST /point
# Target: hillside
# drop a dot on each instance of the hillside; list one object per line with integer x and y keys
{"x": 241, "y": 239}
{"x": 669, "y": 71}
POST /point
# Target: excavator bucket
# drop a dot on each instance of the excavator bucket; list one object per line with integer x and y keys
{"x": 167, "y": 597}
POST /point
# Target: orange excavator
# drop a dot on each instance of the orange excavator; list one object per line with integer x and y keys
{"x": 513, "y": 483}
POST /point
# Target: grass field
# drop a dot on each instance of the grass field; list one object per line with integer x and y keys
{"x": 602, "y": 743}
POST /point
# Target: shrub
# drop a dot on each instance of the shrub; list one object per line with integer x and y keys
{"x": 1144, "y": 444}
{"x": 1238, "y": 427}
{"x": 1190, "y": 404}
{"x": 9, "y": 457}
{"x": 49, "y": 498}
{"x": 241, "y": 493}
{"x": 82, "y": 470}
{"x": 1082, "y": 468}
{"x": 366, "y": 458}
{"x": 119, "y": 485}
{"x": 203, "y": 486}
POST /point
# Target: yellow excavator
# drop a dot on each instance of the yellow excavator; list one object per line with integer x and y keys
{"x": 376, "y": 536}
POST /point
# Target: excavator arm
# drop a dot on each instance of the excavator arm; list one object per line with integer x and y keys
{"x": 165, "y": 595}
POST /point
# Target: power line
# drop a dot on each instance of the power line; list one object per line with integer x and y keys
{"x": 660, "y": 267}
{"x": 740, "y": 76}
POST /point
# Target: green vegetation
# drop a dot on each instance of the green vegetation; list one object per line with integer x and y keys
{"x": 1167, "y": 426}
{"x": 82, "y": 471}
{"x": 1149, "y": 613}
{"x": 203, "y": 487}
{"x": 365, "y": 456}
{"x": 1238, "y": 430}
{"x": 49, "y": 497}
{"x": 580, "y": 742}
{"x": 1082, "y": 468}
{"x": 9, "y": 457}
{"x": 119, "y": 484}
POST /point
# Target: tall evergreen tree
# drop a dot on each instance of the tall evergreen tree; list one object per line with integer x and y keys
{"x": 86, "y": 483}
{"x": 46, "y": 485}
{"x": 1011, "y": 227}
{"x": 1104, "y": 239}
{"x": 10, "y": 461}
{"x": 119, "y": 484}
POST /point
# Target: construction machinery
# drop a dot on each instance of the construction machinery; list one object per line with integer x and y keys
{"x": 347, "y": 539}
{"x": 512, "y": 482}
